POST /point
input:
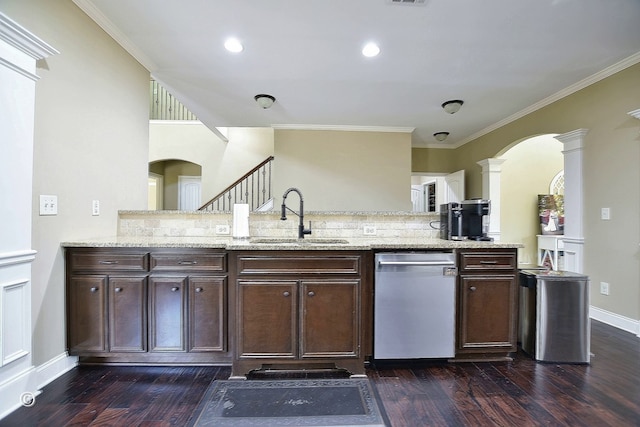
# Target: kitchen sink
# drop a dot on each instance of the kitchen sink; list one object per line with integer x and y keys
{"x": 278, "y": 241}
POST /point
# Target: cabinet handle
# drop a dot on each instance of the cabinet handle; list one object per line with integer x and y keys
{"x": 118, "y": 289}
{"x": 488, "y": 262}
{"x": 107, "y": 262}
{"x": 187, "y": 262}
{"x": 175, "y": 289}
{"x": 94, "y": 289}
{"x": 199, "y": 289}
{"x": 286, "y": 293}
{"x": 472, "y": 288}
{"x": 311, "y": 293}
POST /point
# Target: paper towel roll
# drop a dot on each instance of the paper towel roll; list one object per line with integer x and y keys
{"x": 241, "y": 221}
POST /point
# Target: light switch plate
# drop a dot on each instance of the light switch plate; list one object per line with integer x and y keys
{"x": 48, "y": 205}
{"x": 605, "y": 214}
{"x": 95, "y": 208}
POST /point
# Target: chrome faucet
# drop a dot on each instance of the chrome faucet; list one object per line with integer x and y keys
{"x": 301, "y": 230}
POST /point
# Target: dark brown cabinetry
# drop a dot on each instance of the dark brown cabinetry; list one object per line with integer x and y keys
{"x": 299, "y": 309}
{"x": 147, "y": 306}
{"x": 487, "y": 303}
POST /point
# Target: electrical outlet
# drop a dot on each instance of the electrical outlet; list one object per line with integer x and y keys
{"x": 369, "y": 230}
{"x": 604, "y": 288}
{"x": 48, "y": 205}
{"x": 222, "y": 229}
{"x": 605, "y": 214}
{"x": 95, "y": 208}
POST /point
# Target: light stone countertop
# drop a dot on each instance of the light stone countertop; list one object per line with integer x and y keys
{"x": 267, "y": 243}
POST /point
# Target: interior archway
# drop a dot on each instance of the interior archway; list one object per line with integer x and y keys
{"x": 530, "y": 166}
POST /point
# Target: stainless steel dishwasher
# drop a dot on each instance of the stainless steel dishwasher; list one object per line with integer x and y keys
{"x": 414, "y": 312}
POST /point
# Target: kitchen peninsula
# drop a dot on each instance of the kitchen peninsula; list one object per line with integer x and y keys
{"x": 170, "y": 288}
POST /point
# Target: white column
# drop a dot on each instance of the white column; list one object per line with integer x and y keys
{"x": 491, "y": 175}
{"x": 19, "y": 51}
{"x": 573, "y": 199}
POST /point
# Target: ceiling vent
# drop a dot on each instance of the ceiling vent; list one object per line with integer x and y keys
{"x": 414, "y": 2}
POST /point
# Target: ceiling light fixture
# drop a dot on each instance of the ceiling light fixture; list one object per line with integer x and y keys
{"x": 370, "y": 50}
{"x": 452, "y": 106}
{"x": 233, "y": 45}
{"x": 441, "y": 136}
{"x": 264, "y": 100}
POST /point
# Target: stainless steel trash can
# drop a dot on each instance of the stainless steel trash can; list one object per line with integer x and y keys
{"x": 554, "y": 316}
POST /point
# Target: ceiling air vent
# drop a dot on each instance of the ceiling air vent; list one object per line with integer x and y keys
{"x": 416, "y": 2}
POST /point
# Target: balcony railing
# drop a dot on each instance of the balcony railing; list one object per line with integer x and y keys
{"x": 164, "y": 106}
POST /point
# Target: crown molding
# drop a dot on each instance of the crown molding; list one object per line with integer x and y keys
{"x": 22, "y": 39}
{"x": 109, "y": 27}
{"x": 607, "y": 72}
{"x": 346, "y": 128}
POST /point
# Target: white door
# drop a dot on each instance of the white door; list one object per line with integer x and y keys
{"x": 454, "y": 187}
{"x": 188, "y": 193}
{"x": 417, "y": 198}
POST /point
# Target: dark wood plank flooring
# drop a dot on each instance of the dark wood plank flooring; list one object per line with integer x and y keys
{"x": 518, "y": 393}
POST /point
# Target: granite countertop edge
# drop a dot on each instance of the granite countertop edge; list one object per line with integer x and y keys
{"x": 246, "y": 244}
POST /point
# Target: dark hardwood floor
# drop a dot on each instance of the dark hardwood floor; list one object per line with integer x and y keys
{"x": 522, "y": 392}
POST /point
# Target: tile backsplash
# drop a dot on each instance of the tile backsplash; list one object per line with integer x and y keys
{"x": 268, "y": 224}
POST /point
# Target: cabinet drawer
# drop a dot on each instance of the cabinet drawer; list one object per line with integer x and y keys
{"x": 189, "y": 261}
{"x": 298, "y": 264}
{"x": 109, "y": 261}
{"x": 485, "y": 261}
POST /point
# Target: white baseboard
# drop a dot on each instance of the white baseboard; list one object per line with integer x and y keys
{"x": 54, "y": 368}
{"x": 30, "y": 382}
{"x": 13, "y": 390}
{"x": 616, "y": 320}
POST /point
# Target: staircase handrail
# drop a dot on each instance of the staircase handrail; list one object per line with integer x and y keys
{"x": 236, "y": 183}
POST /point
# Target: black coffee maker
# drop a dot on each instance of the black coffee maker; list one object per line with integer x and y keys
{"x": 475, "y": 219}
{"x": 451, "y": 221}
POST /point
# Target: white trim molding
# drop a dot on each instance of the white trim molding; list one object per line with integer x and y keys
{"x": 635, "y": 113}
{"x": 346, "y": 128}
{"x": 491, "y": 184}
{"x": 573, "y": 146}
{"x": 615, "y": 320}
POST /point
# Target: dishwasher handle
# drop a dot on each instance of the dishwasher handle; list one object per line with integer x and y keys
{"x": 437, "y": 263}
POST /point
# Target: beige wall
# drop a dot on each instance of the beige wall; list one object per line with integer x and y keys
{"x": 91, "y": 143}
{"x": 611, "y": 178}
{"x": 527, "y": 171}
{"x": 222, "y": 162}
{"x": 344, "y": 171}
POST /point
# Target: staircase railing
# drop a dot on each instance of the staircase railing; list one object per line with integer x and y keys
{"x": 164, "y": 106}
{"x": 254, "y": 188}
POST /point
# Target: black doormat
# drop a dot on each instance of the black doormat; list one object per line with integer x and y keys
{"x": 311, "y": 402}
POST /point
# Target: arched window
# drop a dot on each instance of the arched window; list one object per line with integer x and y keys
{"x": 557, "y": 184}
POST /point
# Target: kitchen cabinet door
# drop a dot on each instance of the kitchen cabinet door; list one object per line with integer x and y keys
{"x": 207, "y": 313}
{"x": 127, "y": 314}
{"x": 167, "y": 314}
{"x": 329, "y": 316}
{"x": 266, "y": 321}
{"x": 86, "y": 311}
{"x": 487, "y": 317}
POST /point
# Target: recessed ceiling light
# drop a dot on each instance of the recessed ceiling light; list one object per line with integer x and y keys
{"x": 370, "y": 50}
{"x": 233, "y": 45}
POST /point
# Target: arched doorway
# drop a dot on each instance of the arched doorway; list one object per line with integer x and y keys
{"x": 180, "y": 178}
